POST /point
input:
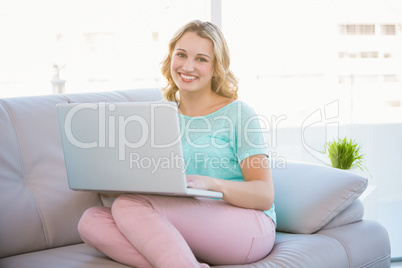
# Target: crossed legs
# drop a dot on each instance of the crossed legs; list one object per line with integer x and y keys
{"x": 161, "y": 231}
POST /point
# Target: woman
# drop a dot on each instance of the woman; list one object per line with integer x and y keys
{"x": 224, "y": 151}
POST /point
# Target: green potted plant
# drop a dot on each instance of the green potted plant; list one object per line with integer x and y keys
{"x": 344, "y": 153}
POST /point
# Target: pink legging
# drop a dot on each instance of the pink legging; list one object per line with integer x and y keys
{"x": 163, "y": 231}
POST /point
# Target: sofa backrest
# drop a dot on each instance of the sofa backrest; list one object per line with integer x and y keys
{"x": 37, "y": 208}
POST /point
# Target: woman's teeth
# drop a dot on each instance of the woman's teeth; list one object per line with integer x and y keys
{"x": 188, "y": 77}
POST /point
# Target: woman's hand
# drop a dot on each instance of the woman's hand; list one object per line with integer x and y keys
{"x": 256, "y": 191}
{"x": 199, "y": 182}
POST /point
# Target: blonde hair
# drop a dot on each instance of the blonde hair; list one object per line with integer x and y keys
{"x": 224, "y": 82}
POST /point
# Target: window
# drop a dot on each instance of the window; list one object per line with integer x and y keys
{"x": 361, "y": 54}
{"x": 390, "y": 78}
{"x": 277, "y": 50}
{"x": 90, "y": 45}
{"x": 369, "y": 54}
{"x": 292, "y": 59}
{"x": 388, "y": 29}
{"x": 357, "y": 29}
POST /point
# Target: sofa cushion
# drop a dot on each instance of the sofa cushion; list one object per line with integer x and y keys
{"x": 309, "y": 196}
{"x": 35, "y": 201}
{"x": 364, "y": 246}
{"x": 337, "y": 247}
{"x": 78, "y": 256}
{"x": 351, "y": 214}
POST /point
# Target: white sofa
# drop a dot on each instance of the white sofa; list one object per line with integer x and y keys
{"x": 319, "y": 214}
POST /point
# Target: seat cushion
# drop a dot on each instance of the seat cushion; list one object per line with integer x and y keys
{"x": 290, "y": 250}
{"x": 78, "y": 256}
{"x": 345, "y": 246}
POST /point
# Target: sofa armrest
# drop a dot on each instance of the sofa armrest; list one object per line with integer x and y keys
{"x": 308, "y": 197}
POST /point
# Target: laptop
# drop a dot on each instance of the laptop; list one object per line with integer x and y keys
{"x": 125, "y": 147}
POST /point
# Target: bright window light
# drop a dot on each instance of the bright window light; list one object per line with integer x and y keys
{"x": 91, "y": 45}
{"x": 294, "y": 57}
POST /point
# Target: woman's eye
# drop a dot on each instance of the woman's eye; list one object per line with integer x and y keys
{"x": 180, "y": 55}
{"x": 202, "y": 60}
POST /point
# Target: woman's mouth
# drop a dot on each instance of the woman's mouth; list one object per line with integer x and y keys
{"x": 187, "y": 77}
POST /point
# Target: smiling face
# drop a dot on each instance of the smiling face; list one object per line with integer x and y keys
{"x": 192, "y": 65}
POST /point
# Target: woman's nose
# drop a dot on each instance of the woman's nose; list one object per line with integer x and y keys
{"x": 188, "y": 65}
